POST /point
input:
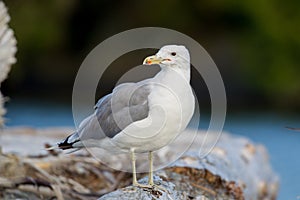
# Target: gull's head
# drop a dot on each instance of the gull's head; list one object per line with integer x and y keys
{"x": 170, "y": 55}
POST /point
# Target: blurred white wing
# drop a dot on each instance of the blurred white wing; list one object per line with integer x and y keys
{"x": 292, "y": 128}
{"x": 7, "y": 51}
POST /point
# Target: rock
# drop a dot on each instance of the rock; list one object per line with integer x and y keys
{"x": 132, "y": 192}
{"x": 235, "y": 168}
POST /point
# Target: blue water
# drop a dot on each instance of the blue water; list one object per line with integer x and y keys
{"x": 283, "y": 145}
{"x": 38, "y": 114}
{"x": 264, "y": 128}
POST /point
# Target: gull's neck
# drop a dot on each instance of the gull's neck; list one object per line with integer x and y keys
{"x": 169, "y": 71}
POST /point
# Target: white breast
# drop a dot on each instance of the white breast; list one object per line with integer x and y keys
{"x": 171, "y": 106}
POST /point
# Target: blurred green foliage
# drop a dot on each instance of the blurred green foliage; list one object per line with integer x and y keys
{"x": 270, "y": 48}
{"x": 255, "y": 43}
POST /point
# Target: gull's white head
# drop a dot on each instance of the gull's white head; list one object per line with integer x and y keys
{"x": 170, "y": 55}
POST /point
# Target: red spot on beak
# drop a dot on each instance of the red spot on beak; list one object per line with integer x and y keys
{"x": 148, "y": 62}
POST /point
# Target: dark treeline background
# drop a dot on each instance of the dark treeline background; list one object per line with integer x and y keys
{"x": 255, "y": 44}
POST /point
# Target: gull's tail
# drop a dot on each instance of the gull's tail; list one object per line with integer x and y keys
{"x": 71, "y": 142}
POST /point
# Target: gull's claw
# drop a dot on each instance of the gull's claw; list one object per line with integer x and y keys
{"x": 151, "y": 187}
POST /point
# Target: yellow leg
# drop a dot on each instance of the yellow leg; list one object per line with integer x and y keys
{"x": 134, "y": 179}
{"x": 133, "y": 159}
{"x": 150, "y": 178}
{"x": 151, "y": 184}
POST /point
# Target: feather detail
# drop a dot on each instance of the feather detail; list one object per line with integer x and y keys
{"x": 7, "y": 52}
{"x": 68, "y": 142}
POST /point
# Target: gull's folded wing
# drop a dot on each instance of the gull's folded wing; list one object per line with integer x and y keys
{"x": 126, "y": 104}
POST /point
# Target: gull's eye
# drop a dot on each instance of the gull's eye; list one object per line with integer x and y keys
{"x": 173, "y": 53}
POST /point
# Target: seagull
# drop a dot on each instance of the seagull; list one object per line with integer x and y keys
{"x": 142, "y": 117}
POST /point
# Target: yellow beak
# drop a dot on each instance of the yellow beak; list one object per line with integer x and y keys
{"x": 151, "y": 60}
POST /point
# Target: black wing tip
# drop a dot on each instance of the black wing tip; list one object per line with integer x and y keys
{"x": 65, "y": 144}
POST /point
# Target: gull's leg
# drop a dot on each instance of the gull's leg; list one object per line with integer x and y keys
{"x": 133, "y": 159}
{"x": 151, "y": 184}
{"x": 150, "y": 178}
{"x": 134, "y": 179}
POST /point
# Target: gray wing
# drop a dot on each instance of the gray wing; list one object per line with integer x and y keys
{"x": 126, "y": 104}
